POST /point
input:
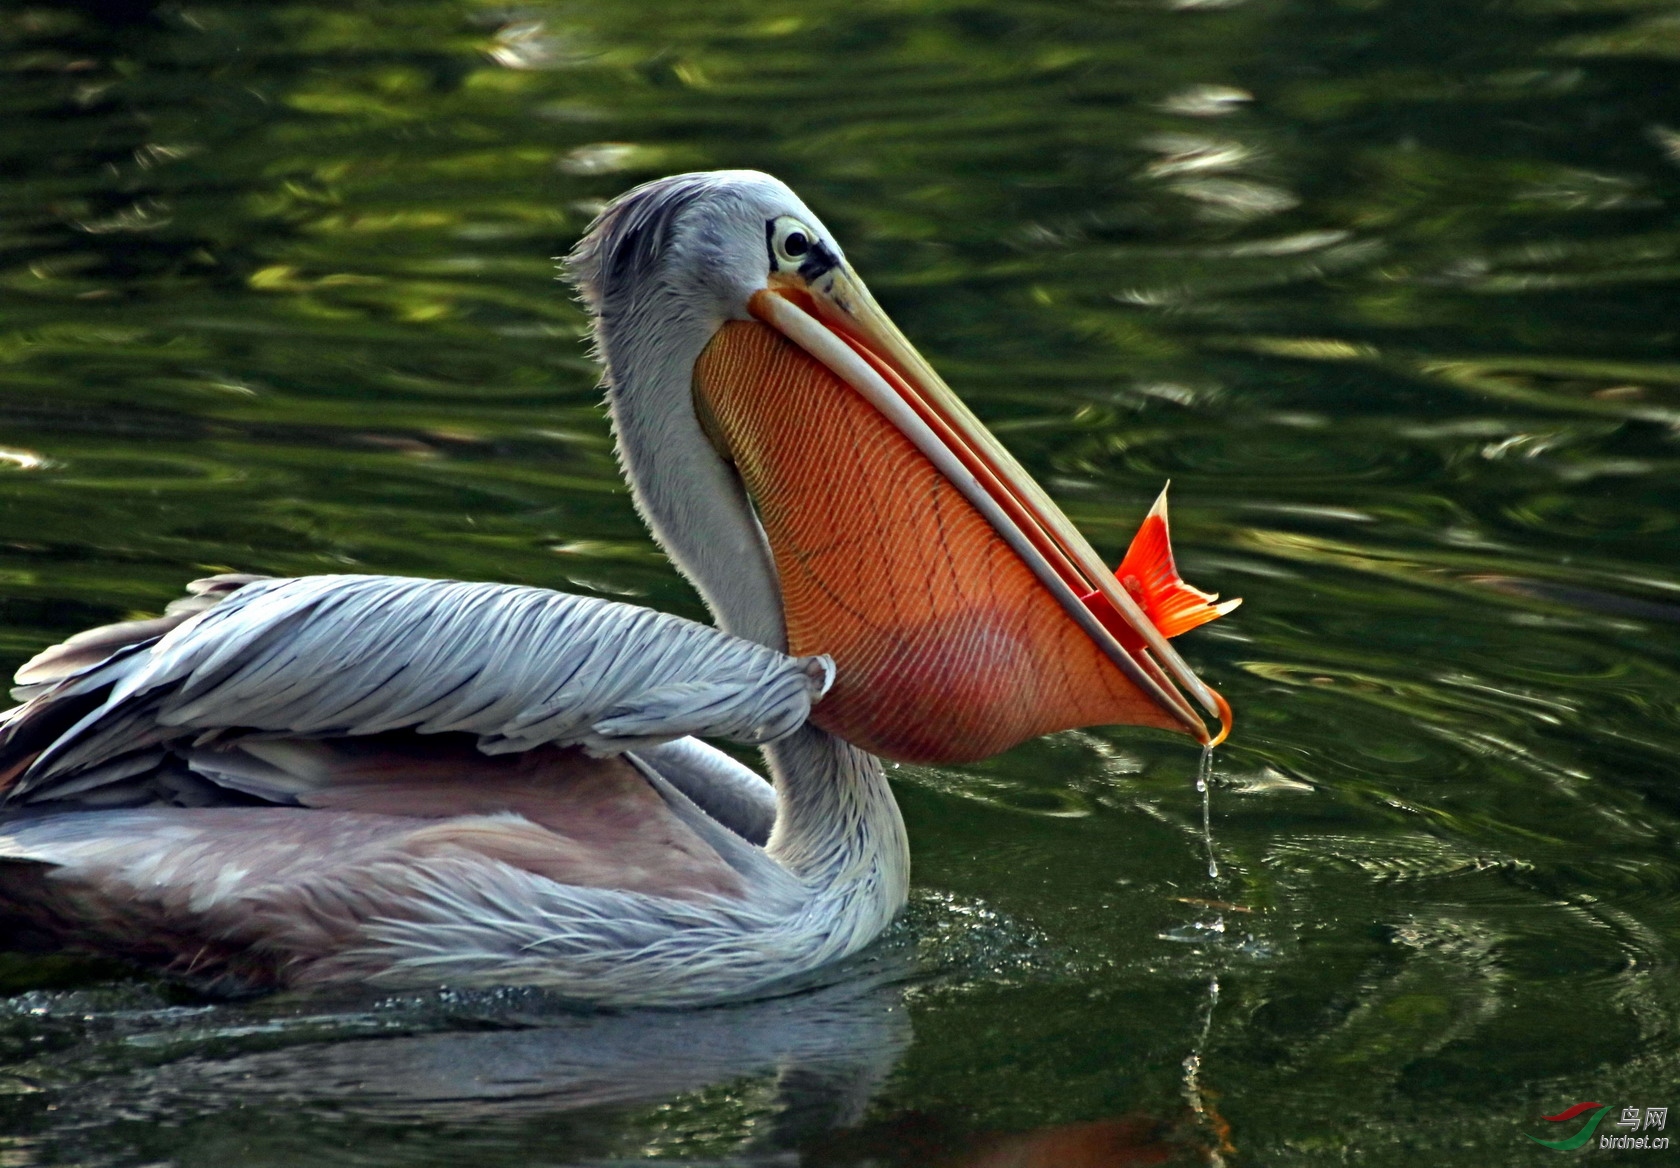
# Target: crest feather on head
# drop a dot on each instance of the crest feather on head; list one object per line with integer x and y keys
{"x": 620, "y": 251}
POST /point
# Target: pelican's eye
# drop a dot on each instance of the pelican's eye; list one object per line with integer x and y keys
{"x": 794, "y": 247}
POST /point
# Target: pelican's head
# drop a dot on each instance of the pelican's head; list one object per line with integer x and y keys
{"x": 828, "y": 493}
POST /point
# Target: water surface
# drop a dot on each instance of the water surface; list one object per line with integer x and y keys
{"x": 1388, "y": 291}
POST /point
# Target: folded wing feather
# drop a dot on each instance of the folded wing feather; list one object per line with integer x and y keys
{"x": 351, "y": 656}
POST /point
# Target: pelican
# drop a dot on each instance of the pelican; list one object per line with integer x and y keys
{"x": 404, "y": 782}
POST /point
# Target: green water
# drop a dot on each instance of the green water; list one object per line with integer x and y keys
{"x": 1389, "y": 291}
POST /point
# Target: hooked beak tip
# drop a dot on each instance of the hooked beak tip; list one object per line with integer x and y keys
{"x": 1224, "y": 718}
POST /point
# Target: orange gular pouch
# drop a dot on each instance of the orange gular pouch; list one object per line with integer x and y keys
{"x": 946, "y": 646}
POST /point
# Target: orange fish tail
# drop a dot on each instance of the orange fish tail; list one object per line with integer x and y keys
{"x": 1149, "y": 573}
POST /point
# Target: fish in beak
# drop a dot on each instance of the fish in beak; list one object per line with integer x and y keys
{"x": 963, "y": 611}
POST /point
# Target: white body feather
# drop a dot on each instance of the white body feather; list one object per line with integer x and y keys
{"x": 352, "y": 656}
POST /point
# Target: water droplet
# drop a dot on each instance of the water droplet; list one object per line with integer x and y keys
{"x": 1203, "y": 774}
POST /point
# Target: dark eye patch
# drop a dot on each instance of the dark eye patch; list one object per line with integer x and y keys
{"x": 818, "y": 263}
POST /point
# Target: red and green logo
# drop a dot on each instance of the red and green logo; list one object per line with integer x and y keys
{"x": 1570, "y": 1143}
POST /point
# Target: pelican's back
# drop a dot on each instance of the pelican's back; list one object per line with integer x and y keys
{"x": 287, "y": 782}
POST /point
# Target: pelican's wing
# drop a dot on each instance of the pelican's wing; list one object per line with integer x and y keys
{"x": 350, "y": 656}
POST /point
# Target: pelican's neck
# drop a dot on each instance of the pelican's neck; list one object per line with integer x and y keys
{"x": 837, "y": 823}
{"x": 692, "y": 499}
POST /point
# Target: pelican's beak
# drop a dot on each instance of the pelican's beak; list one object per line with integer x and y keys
{"x": 963, "y": 610}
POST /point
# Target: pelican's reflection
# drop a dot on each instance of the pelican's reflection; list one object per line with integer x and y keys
{"x": 811, "y": 1062}
{"x": 781, "y": 1082}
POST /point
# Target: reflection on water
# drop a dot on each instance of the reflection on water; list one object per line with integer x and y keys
{"x": 502, "y": 1060}
{"x": 933, "y": 1142}
{"x": 1388, "y": 291}
{"x": 483, "y": 1067}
